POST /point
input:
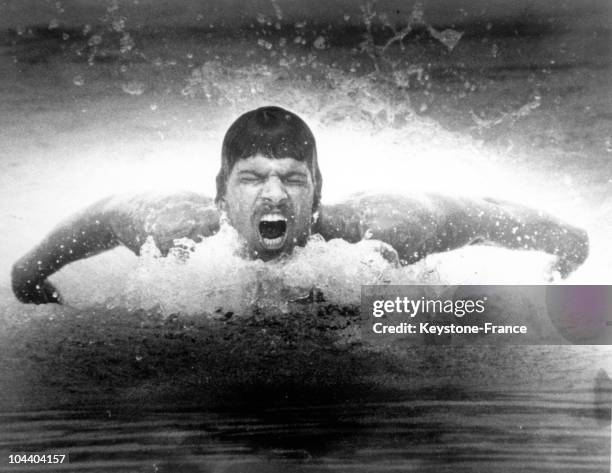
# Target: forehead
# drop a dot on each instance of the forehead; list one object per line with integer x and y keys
{"x": 264, "y": 165}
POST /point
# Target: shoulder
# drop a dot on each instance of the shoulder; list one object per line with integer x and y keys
{"x": 165, "y": 217}
{"x": 354, "y": 216}
{"x": 340, "y": 220}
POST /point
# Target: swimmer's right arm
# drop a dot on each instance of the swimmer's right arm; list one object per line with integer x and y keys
{"x": 86, "y": 234}
{"x": 124, "y": 220}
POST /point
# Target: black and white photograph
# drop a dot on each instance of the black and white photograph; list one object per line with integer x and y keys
{"x": 306, "y": 236}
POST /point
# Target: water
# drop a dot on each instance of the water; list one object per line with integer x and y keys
{"x": 119, "y": 391}
{"x": 400, "y": 435}
{"x": 531, "y": 421}
{"x": 163, "y": 365}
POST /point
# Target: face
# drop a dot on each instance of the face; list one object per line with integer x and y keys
{"x": 269, "y": 202}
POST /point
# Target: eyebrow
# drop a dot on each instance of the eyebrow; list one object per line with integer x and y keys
{"x": 296, "y": 174}
{"x": 283, "y": 175}
{"x": 248, "y": 171}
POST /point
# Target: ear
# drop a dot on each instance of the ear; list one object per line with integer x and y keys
{"x": 315, "y": 217}
{"x": 222, "y": 204}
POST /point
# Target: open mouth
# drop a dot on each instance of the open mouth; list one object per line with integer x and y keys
{"x": 272, "y": 231}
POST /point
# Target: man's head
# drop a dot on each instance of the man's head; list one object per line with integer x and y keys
{"x": 269, "y": 183}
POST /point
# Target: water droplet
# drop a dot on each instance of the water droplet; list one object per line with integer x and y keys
{"x": 114, "y": 6}
{"x": 94, "y": 40}
{"x": 448, "y": 37}
{"x": 153, "y": 106}
{"x": 133, "y": 88}
{"x": 277, "y": 10}
{"x": 78, "y": 80}
{"x": 320, "y": 42}
{"x": 417, "y": 13}
{"x": 54, "y": 23}
{"x": 264, "y": 44}
{"x": 126, "y": 43}
{"x": 118, "y": 24}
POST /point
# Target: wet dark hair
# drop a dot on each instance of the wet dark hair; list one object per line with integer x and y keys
{"x": 272, "y": 132}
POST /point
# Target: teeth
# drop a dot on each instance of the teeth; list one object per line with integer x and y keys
{"x": 272, "y": 243}
{"x": 273, "y": 218}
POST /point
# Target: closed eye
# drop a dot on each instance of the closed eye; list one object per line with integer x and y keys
{"x": 249, "y": 177}
{"x": 296, "y": 179}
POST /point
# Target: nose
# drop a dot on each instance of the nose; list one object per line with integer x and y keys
{"x": 274, "y": 190}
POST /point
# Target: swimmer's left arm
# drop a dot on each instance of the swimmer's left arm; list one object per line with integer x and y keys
{"x": 517, "y": 226}
{"x": 416, "y": 226}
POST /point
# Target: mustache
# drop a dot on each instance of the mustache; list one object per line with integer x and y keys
{"x": 284, "y": 208}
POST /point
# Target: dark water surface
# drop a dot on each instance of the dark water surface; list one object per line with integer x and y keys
{"x": 301, "y": 403}
{"x": 528, "y": 432}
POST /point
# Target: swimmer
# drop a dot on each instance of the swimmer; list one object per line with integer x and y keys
{"x": 269, "y": 190}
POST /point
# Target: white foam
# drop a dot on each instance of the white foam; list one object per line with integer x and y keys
{"x": 213, "y": 276}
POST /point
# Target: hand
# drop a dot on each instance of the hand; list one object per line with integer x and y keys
{"x": 574, "y": 253}
{"x": 388, "y": 253}
{"x": 42, "y": 292}
{"x": 564, "y": 266}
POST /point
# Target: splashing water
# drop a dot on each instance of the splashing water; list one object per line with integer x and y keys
{"x": 213, "y": 277}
